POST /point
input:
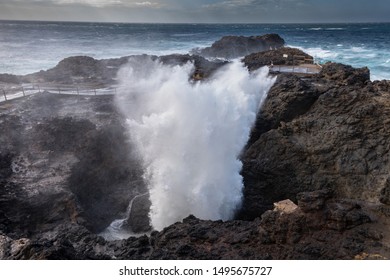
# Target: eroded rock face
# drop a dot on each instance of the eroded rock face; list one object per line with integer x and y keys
{"x": 237, "y": 46}
{"x": 327, "y": 132}
{"x": 65, "y": 159}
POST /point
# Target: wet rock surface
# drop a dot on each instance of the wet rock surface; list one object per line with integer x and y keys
{"x": 63, "y": 159}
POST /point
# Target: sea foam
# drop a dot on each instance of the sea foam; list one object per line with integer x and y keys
{"x": 189, "y": 135}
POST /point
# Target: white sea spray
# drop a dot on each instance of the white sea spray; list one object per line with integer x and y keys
{"x": 189, "y": 135}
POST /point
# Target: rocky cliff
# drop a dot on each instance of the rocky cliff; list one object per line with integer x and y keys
{"x": 315, "y": 171}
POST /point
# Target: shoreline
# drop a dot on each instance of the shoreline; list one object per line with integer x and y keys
{"x": 315, "y": 171}
{"x": 362, "y": 47}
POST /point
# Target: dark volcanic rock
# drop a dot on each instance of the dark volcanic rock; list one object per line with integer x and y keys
{"x": 63, "y": 160}
{"x": 289, "y": 98}
{"x": 75, "y": 70}
{"x": 309, "y": 201}
{"x": 236, "y": 46}
{"x": 337, "y": 230}
{"x": 318, "y": 156}
{"x": 345, "y": 75}
{"x": 9, "y": 79}
{"x": 138, "y": 220}
{"x": 276, "y": 57}
{"x": 84, "y": 70}
{"x": 203, "y": 67}
{"x": 325, "y": 132}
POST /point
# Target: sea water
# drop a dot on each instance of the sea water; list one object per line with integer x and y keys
{"x": 27, "y": 47}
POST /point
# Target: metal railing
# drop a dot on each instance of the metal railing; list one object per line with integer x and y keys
{"x": 299, "y": 69}
{"x": 12, "y": 92}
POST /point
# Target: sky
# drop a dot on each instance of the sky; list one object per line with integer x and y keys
{"x": 202, "y": 11}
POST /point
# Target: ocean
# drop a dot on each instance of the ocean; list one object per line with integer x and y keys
{"x": 27, "y": 47}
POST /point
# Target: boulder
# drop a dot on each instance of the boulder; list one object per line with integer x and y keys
{"x": 138, "y": 220}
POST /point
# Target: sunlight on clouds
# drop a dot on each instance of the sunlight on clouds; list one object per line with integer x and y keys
{"x": 101, "y": 3}
{"x": 147, "y": 4}
{"x": 96, "y": 3}
{"x": 228, "y": 4}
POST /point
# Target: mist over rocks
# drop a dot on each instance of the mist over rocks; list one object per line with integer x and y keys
{"x": 62, "y": 161}
{"x": 315, "y": 171}
{"x": 88, "y": 71}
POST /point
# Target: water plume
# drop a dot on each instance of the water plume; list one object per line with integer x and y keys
{"x": 189, "y": 135}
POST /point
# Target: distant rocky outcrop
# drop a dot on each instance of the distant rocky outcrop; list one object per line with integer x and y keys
{"x": 87, "y": 71}
{"x": 237, "y": 46}
{"x": 78, "y": 70}
{"x": 9, "y": 79}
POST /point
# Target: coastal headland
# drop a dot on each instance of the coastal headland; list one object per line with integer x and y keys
{"x": 315, "y": 168}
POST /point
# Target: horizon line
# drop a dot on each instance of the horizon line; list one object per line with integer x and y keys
{"x": 220, "y": 23}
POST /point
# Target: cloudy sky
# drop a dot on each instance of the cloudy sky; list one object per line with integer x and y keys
{"x": 191, "y": 11}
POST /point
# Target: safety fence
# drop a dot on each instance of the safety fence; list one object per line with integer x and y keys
{"x": 298, "y": 69}
{"x": 12, "y": 92}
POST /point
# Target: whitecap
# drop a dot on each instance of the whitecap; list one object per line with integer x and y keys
{"x": 335, "y": 28}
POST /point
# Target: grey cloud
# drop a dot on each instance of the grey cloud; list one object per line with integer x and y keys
{"x": 213, "y": 11}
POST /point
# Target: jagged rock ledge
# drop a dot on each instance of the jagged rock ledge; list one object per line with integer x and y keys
{"x": 319, "y": 227}
{"x": 85, "y": 70}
